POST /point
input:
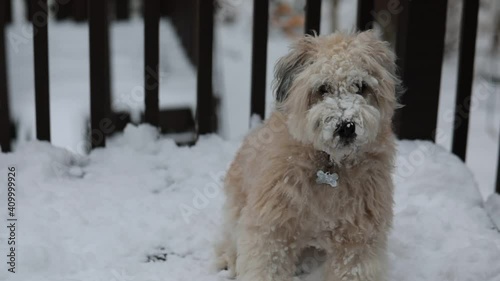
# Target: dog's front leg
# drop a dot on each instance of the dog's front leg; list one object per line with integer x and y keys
{"x": 361, "y": 262}
{"x": 265, "y": 254}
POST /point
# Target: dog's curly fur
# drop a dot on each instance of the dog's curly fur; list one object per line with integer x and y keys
{"x": 275, "y": 209}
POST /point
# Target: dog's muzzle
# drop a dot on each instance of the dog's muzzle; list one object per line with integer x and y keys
{"x": 346, "y": 131}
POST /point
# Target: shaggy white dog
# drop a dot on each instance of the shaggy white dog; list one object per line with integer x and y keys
{"x": 318, "y": 172}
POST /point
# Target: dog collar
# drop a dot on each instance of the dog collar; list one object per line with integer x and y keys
{"x": 327, "y": 178}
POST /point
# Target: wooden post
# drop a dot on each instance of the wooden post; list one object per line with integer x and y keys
{"x": 99, "y": 72}
{"x": 80, "y": 9}
{"x": 28, "y": 13}
{"x": 259, "y": 57}
{"x": 205, "y": 108}
{"x": 122, "y": 8}
{"x": 465, "y": 79}
{"x": 151, "y": 60}
{"x": 8, "y": 11}
{"x": 364, "y": 20}
{"x": 313, "y": 16}
{"x": 420, "y": 46}
{"x": 41, "y": 54}
{"x": 4, "y": 101}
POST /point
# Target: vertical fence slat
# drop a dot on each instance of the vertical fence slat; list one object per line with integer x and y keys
{"x": 64, "y": 11}
{"x": 4, "y": 101}
{"x": 259, "y": 57}
{"x": 364, "y": 18}
{"x": 8, "y": 11}
{"x": 151, "y": 59}
{"x": 420, "y": 46}
{"x": 465, "y": 78}
{"x": 313, "y": 16}
{"x": 80, "y": 11}
{"x": 99, "y": 71}
{"x": 28, "y": 12}
{"x": 41, "y": 54}
{"x": 205, "y": 108}
{"x": 122, "y": 8}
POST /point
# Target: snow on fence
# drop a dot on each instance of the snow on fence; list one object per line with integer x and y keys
{"x": 419, "y": 46}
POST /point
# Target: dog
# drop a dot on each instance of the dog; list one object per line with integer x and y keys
{"x": 317, "y": 173}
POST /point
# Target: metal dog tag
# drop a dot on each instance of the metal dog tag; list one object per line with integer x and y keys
{"x": 327, "y": 178}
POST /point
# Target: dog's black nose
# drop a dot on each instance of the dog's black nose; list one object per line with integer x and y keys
{"x": 346, "y": 130}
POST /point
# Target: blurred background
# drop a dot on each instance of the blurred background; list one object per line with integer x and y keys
{"x": 180, "y": 30}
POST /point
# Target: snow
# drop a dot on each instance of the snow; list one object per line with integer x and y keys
{"x": 102, "y": 216}
{"x": 493, "y": 207}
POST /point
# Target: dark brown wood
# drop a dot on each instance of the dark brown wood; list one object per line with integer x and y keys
{"x": 205, "y": 108}
{"x": 41, "y": 55}
{"x": 4, "y": 100}
{"x": 420, "y": 46}
{"x": 76, "y": 10}
{"x": 8, "y": 10}
{"x": 259, "y": 57}
{"x": 151, "y": 60}
{"x": 99, "y": 71}
{"x": 364, "y": 20}
{"x": 122, "y": 8}
{"x": 313, "y": 16}
{"x": 177, "y": 120}
{"x": 63, "y": 11}
{"x": 28, "y": 11}
{"x": 184, "y": 17}
{"x": 465, "y": 79}
{"x": 80, "y": 9}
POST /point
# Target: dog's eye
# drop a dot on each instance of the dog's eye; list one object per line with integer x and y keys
{"x": 323, "y": 90}
{"x": 361, "y": 89}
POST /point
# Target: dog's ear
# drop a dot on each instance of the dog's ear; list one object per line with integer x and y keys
{"x": 290, "y": 65}
{"x": 379, "y": 49}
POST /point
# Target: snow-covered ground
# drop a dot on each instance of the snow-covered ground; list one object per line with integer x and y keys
{"x": 102, "y": 216}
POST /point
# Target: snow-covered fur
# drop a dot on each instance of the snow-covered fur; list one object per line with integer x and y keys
{"x": 275, "y": 210}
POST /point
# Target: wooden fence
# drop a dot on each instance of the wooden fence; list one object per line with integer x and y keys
{"x": 419, "y": 46}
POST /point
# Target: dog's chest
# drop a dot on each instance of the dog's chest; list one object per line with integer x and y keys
{"x": 333, "y": 219}
{"x": 330, "y": 206}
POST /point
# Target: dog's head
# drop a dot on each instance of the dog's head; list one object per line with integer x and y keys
{"x": 338, "y": 92}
